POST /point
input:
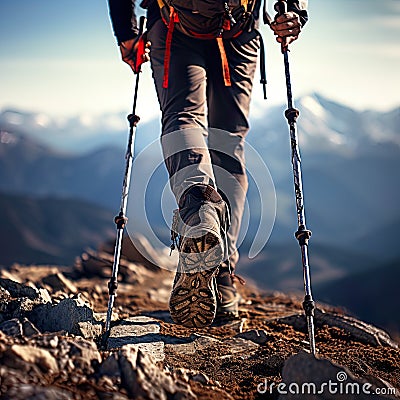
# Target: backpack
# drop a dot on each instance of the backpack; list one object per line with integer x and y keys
{"x": 208, "y": 19}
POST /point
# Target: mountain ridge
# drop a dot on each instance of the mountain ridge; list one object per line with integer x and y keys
{"x": 49, "y": 230}
{"x": 84, "y": 133}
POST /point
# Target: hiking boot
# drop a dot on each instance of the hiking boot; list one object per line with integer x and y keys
{"x": 228, "y": 302}
{"x": 228, "y": 297}
{"x": 199, "y": 232}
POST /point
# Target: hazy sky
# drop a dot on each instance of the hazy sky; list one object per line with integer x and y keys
{"x": 60, "y": 57}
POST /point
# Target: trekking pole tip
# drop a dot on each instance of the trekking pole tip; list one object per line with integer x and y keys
{"x": 104, "y": 341}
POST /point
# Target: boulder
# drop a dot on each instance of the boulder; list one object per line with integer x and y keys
{"x": 64, "y": 316}
{"x": 143, "y": 379}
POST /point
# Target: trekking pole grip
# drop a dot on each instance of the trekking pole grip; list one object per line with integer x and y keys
{"x": 281, "y": 7}
{"x": 142, "y": 22}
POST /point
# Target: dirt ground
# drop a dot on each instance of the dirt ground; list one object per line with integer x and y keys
{"x": 237, "y": 372}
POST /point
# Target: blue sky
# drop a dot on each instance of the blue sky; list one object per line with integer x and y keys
{"x": 60, "y": 57}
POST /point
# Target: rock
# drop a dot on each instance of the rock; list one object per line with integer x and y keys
{"x": 4, "y": 297}
{"x": 142, "y": 379}
{"x": 29, "y": 329}
{"x": 18, "y": 308}
{"x": 12, "y": 327}
{"x": 201, "y": 378}
{"x": 258, "y": 336}
{"x": 358, "y": 330}
{"x": 102, "y": 317}
{"x": 44, "y": 296}
{"x": 151, "y": 357}
{"x": 142, "y": 333}
{"x": 213, "y": 388}
{"x": 65, "y": 316}
{"x": 109, "y": 367}
{"x": 35, "y": 392}
{"x": 14, "y": 307}
{"x": 36, "y": 356}
{"x": 197, "y": 343}
{"x": 16, "y": 328}
{"x": 58, "y": 282}
{"x": 240, "y": 345}
{"x": 95, "y": 264}
{"x": 17, "y": 290}
{"x": 200, "y": 343}
{"x": 136, "y": 248}
{"x": 89, "y": 330}
{"x": 8, "y": 275}
{"x": 100, "y": 264}
{"x": 49, "y": 340}
{"x": 307, "y": 377}
{"x": 83, "y": 354}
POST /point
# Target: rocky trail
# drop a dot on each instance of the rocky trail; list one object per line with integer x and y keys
{"x": 51, "y": 319}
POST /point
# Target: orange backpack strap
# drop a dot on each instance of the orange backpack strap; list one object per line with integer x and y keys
{"x": 224, "y": 60}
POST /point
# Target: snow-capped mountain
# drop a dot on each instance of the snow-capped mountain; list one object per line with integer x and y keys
{"x": 77, "y": 135}
{"x": 326, "y": 126}
{"x": 323, "y": 125}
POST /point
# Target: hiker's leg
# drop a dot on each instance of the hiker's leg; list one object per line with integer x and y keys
{"x": 183, "y": 106}
{"x": 228, "y": 111}
{"x": 227, "y": 155}
{"x": 201, "y": 219}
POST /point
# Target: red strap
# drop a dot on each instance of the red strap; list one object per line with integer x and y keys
{"x": 173, "y": 17}
{"x": 225, "y": 66}
{"x": 141, "y": 51}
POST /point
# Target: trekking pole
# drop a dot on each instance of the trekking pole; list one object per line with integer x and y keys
{"x": 302, "y": 234}
{"x": 121, "y": 219}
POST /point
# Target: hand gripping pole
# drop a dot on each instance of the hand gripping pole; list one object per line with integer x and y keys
{"x": 302, "y": 234}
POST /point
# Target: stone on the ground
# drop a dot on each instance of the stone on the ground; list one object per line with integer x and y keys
{"x": 12, "y": 327}
{"x": 142, "y": 333}
{"x": 17, "y": 290}
{"x": 35, "y": 356}
{"x": 83, "y": 353}
{"x": 89, "y": 330}
{"x": 358, "y": 330}
{"x": 109, "y": 367}
{"x": 29, "y": 329}
{"x": 196, "y": 343}
{"x": 58, "y": 282}
{"x": 258, "y": 336}
{"x": 16, "y": 328}
{"x": 143, "y": 379}
{"x": 64, "y": 316}
{"x": 27, "y": 391}
{"x": 240, "y": 345}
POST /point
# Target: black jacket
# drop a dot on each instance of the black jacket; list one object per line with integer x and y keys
{"x": 124, "y": 22}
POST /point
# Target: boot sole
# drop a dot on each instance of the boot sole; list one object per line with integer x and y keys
{"x": 193, "y": 301}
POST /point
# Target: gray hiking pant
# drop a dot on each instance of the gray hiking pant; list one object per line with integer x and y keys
{"x": 204, "y": 122}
